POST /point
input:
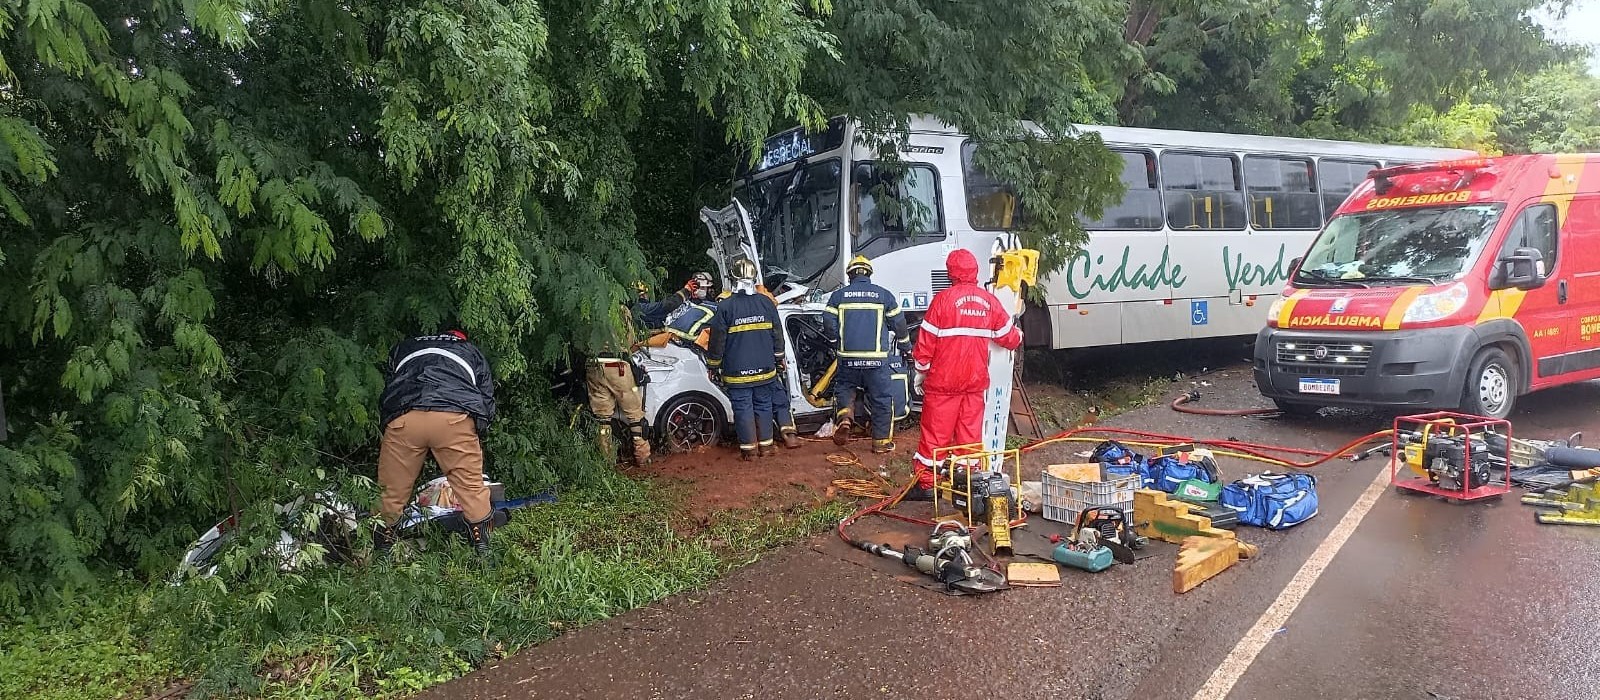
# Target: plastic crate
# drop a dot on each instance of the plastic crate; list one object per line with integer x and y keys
{"x": 1063, "y": 500}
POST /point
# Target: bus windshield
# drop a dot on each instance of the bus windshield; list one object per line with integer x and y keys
{"x": 795, "y": 217}
{"x": 1405, "y": 246}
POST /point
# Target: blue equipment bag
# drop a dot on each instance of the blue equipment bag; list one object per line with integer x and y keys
{"x": 1168, "y": 473}
{"x": 1272, "y": 501}
{"x": 1117, "y": 461}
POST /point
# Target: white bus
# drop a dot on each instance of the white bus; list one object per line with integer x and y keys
{"x": 1198, "y": 247}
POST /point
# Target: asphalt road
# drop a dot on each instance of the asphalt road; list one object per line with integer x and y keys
{"x": 1426, "y": 599}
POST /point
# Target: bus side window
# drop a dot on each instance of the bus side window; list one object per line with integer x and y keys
{"x": 1202, "y": 191}
{"x": 1140, "y": 208}
{"x": 992, "y": 205}
{"x": 1337, "y": 179}
{"x": 894, "y": 207}
{"x": 1282, "y": 192}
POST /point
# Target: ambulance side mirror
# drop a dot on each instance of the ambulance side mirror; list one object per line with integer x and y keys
{"x": 1294, "y": 266}
{"x": 1522, "y": 269}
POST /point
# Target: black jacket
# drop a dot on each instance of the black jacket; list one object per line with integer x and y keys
{"x": 438, "y": 373}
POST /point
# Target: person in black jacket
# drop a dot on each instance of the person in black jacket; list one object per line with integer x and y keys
{"x": 439, "y": 399}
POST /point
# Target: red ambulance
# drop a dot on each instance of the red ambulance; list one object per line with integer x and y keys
{"x": 1460, "y": 284}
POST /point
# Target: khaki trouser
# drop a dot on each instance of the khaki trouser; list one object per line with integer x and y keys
{"x": 453, "y": 440}
{"x": 611, "y": 387}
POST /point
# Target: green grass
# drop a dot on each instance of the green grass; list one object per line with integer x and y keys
{"x": 389, "y": 629}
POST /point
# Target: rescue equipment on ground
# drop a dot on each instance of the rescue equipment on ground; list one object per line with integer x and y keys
{"x": 948, "y": 559}
{"x": 1450, "y": 455}
{"x": 1272, "y": 501}
{"x": 1577, "y": 505}
{"x": 1068, "y": 490}
{"x": 1083, "y": 552}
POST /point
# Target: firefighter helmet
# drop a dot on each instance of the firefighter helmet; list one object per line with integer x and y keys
{"x": 743, "y": 270}
{"x": 859, "y": 265}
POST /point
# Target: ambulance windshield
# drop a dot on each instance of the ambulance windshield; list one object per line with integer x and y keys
{"x": 1402, "y": 246}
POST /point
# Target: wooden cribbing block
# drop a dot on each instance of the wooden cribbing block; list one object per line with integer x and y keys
{"x": 1200, "y": 558}
{"x": 1160, "y": 518}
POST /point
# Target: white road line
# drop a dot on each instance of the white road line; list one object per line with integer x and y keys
{"x": 1249, "y": 647}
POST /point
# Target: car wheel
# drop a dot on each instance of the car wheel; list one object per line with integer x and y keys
{"x": 1296, "y": 410}
{"x": 1491, "y": 389}
{"x": 690, "y": 422}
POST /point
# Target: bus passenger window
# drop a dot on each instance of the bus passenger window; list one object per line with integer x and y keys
{"x": 992, "y": 205}
{"x": 895, "y": 207}
{"x": 1140, "y": 208}
{"x": 1282, "y": 193}
{"x": 1202, "y": 191}
{"x": 1337, "y": 179}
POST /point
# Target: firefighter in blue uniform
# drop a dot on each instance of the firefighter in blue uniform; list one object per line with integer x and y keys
{"x": 746, "y": 351}
{"x": 652, "y": 315}
{"x": 861, "y": 320}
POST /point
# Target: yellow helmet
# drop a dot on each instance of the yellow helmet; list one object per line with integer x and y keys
{"x": 859, "y": 265}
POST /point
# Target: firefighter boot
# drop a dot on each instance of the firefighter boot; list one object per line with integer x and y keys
{"x": 641, "y": 446}
{"x": 882, "y": 446}
{"x": 842, "y": 424}
{"x": 791, "y": 440}
{"x": 767, "y": 449}
{"x": 747, "y": 454}
{"x": 603, "y": 437}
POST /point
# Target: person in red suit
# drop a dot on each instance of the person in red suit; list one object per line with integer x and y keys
{"x": 952, "y": 363}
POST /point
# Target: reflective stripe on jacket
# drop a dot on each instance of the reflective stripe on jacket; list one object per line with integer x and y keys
{"x": 438, "y": 373}
{"x": 746, "y": 340}
{"x": 864, "y": 322}
{"x": 686, "y": 323}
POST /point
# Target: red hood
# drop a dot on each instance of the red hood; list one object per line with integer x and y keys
{"x": 962, "y": 266}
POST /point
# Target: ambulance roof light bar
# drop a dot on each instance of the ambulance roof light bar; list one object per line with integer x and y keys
{"x": 1469, "y": 168}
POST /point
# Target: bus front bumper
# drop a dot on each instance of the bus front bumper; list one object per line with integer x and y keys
{"x": 1417, "y": 368}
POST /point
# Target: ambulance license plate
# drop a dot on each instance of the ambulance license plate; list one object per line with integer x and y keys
{"x": 1329, "y": 387}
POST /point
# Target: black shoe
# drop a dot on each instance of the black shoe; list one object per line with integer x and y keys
{"x": 383, "y": 540}
{"x": 478, "y": 535}
{"x": 747, "y": 455}
{"x": 917, "y": 493}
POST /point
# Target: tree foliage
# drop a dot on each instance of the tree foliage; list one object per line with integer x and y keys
{"x": 215, "y": 215}
{"x": 219, "y": 213}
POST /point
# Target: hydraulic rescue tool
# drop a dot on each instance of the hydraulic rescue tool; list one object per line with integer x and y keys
{"x": 948, "y": 559}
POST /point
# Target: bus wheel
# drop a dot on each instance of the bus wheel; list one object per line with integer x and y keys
{"x": 1491, "y": 389}
{"x": 1296, "y": 410}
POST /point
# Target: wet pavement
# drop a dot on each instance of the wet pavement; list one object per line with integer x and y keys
{"x": 1427, "y": 599}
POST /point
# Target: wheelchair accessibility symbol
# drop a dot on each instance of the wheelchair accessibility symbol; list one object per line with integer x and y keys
{"x": 1199, "y": 313}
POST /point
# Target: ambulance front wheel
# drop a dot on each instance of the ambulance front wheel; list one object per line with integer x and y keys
{"x": 1491, "y": 389}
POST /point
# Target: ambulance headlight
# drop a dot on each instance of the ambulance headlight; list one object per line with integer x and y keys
{"x": 1275, "y": 309}
{"x": 1435, "y": 306}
